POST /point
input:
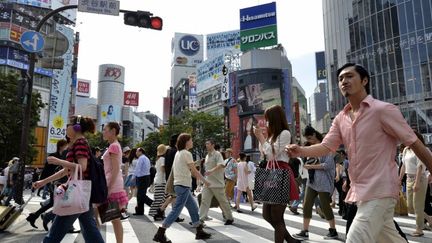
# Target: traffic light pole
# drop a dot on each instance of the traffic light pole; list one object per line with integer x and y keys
{"x": 27, "y": 110}
{"x": 25, "y": 130}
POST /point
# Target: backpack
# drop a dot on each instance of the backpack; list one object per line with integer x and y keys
{"x": 99, "y": 190}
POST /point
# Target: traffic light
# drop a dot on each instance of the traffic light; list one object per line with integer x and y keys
{"x": 143, "y": 19}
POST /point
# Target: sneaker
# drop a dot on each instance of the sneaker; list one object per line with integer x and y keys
{"x": 303, "y": 235}
{"x": 207, "y": 218}
{"x": 332, "y": 234}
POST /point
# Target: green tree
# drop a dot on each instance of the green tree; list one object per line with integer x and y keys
{"x": 96, "y": 140}
{"x": 12, "y": 116}
{"x": 202, "y": 126}
{"x": 150, "y": 145}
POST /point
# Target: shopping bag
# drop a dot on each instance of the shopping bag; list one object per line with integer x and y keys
{"x": 74, "y": 196}
{"x": 272, "y": 184}
{"x": 401, "y": 207}
{"x": 109, "y": 211}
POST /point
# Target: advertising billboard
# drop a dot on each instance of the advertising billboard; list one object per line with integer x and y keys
{"x": 60, "y": 94}
{"x": 19, "y": 59}
{"x": 83, "y": 87}
{"x": 187, "y": 49}
{"x": 259, "y": 37}
{"x": 258, "y": 16}
{"x": 257, "y": 89}
{"x": 35, "y": 3}
{"x": 320, "y": 65}
{"x": 131, "y": 98}
{"x": 209, "y": 73}
{"x": 249, "y": 141}
{"x": 109, "y": 113}
{"x": 193, "y": 106}
{"x": 258, "y": 26}
{"x": 223, "y": 42}
{"x": 287, "y": 95}
{"x": 254, "y": 98}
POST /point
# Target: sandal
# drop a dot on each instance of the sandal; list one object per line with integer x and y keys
{"x": 417, "y": 234}
{"x": 253, "y": 208}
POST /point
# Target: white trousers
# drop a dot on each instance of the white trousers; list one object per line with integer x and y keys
{"x": 374, "y": 223}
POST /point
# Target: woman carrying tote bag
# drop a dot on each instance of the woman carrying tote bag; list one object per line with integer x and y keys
{"x": 278, "y": 137}
{"x": 79, "y": 153}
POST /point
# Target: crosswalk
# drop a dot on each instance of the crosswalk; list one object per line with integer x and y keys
{"x": 248, "y": 227}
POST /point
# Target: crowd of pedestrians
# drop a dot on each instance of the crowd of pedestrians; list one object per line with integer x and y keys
{"x": 356, "y": 160}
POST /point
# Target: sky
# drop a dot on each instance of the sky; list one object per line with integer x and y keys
{"x": 146, "y": 54}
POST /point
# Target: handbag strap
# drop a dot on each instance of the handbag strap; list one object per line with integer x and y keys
{"x": 77, "y": 173}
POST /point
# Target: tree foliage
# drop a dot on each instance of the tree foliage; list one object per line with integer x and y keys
{"x": 96, "y": 140}
{"x": 202, "y": 126}
{"x": 11, "y": 119}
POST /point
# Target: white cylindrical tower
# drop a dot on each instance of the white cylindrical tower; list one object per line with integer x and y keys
{"x": 110, "y": 93}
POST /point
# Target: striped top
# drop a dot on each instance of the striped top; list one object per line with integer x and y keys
{"x": 79, "y": 150}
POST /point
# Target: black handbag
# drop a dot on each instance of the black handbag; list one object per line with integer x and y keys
{"x": 272, "y": 185}
{"x": 109, "y": 211}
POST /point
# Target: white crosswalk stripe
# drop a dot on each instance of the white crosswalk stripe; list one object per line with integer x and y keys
{"x": 248, "y": 227}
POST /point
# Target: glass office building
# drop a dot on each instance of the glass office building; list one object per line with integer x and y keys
{"x": 393, "y": 40}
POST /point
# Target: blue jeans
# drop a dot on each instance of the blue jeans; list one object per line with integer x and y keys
{"x": 184, "y": 199}
{"x": 62, "y": 224}
{"x": 296, "y": 203}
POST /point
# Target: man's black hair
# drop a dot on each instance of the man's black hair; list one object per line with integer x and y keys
{"x": 360, "y": 70}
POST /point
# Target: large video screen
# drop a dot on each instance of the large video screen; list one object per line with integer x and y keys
{"x": 257, "y": 90}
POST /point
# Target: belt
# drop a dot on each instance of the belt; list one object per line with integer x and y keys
{"x": 411, "y": 176}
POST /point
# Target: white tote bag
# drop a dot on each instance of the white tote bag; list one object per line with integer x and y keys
{"x": 74, "y": 196}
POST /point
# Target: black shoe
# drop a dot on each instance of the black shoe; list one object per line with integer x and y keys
{"x": 157, "y": 218}
{"x": 44, "y": 222}
{"x": 178, "y": 220}
{"x": 332, "y": 234}
{"x": 32, "y": 220}
{"x": 303, "y": 235}
{"x": 229, "y": 222}
{"x": 137, "y": 214}
{"x": 160, "y": 236}
{"x": 201, "y": 234}
{"x": 294, "y": 210}
{"x": 124, "y": 216}
{"x": 73, "y": 231}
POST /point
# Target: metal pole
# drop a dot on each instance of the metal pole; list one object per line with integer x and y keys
{"x": 27, "y": 111}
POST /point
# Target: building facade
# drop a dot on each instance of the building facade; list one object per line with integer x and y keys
{"x": 392, "y": 39}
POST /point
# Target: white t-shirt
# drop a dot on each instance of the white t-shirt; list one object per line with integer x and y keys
{"x": 132, "y": 166}
{"x": 282, "y": 140}
{"x": 182, "y": 174}
{"x": 412, "y": 162}
{"x": 160, "y": 174}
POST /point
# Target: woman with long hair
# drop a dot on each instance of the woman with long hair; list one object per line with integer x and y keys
{"x": 182, "y": 167}
{"x": 273, "y": 147}
{"x": 321, "y": 183}
{"x": 130, "y": 182}
{"x": 112, "y": 161}
{"x": 79, "y": 153}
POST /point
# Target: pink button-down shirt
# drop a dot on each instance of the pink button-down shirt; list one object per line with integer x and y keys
{"x": 371, "y": 141}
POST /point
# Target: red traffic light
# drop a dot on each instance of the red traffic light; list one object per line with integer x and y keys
{"x": 143, "y": 19}
{"x": 156, "y": 23}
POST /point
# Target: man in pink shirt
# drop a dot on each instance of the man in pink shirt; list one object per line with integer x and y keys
{"x": 370, "y": 130}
